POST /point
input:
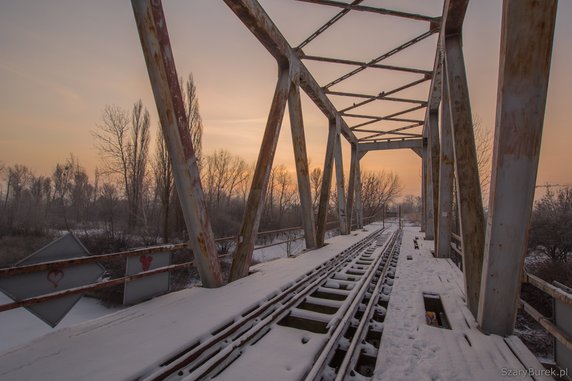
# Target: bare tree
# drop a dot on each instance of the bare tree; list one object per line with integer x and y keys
{"x": 164, "y": 181}
{"x": 123, "y": 143}
{"x": 195, "y": 126}
{"x": 551, "y": 224}
{"x": 483, "y": 143}
{"x": 316, "y": 185}
{"x": 378, "y": 189}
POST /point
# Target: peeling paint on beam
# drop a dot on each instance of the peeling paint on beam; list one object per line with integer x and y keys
{"x": 156, "y": 46}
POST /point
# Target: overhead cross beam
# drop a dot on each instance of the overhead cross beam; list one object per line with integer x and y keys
{"x": 251, "y": 13}
{"x": 328, "y": 24}
{"x": 382, "y": 11}
{"x": 376, "y": 60}
{"x": 380, "y": 97}
{"x": 383, "y": 94}
{"x": 381, "y": 133}
{"x": 358, "y": 63}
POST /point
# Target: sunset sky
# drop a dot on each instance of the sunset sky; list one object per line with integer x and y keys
{"x": 62, "y": 61}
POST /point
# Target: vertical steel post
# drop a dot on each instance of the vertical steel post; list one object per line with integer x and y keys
{"x": 433, "y": 141}
{"x": 255, "y": 203}
{"x": 340, "y": 188}
{"x": 446, "y": 178}
{"x": 326, "y": 184}
{"x": 168, "y": 98}
{"x": 359, "y": 205}
{"x": 429, "y": 201}
{"x": 468, "y": 184}
{"x": 423, "y": 188}
{"x": 352, "y": 185}
{"x": 526, "y": 49}
{"x": 301, "y": 160}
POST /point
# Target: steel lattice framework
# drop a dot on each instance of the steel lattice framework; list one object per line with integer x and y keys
{"x": 443, "y": 138}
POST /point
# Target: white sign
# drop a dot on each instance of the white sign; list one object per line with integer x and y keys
{"x": 54, "y": 279}
{"x": 145, "y": 288}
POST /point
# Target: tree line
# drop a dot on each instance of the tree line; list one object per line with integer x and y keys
{"x": 132, "y": 192}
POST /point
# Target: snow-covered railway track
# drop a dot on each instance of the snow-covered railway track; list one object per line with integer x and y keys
{"x": 299, "y": 324}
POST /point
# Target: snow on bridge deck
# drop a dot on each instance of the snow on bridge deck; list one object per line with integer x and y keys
{"x": 413, "y": 350}
{"x": 128, "y": 343}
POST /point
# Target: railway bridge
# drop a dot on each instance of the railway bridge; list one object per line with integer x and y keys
{"x": 380, "y": 301}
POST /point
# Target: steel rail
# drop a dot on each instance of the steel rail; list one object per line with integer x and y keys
{"x": 352, "y": 354}
{"x": 317, "y": 369}
{"x": 246, "y": 322}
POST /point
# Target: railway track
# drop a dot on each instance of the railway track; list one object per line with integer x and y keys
{"x": 326, "y": 325}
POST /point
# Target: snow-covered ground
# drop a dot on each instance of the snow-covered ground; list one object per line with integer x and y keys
{"x": 20, "y": 326}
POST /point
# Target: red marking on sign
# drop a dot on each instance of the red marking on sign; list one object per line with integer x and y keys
{"x": 55, "y": 276}
{"x": 145, "y": 261}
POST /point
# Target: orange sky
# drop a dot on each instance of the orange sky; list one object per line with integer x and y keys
{"x": 62, "y": 61}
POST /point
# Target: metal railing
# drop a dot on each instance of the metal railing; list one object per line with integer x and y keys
{"x": 547, "y": 288}
{"x": 59, "y": 264}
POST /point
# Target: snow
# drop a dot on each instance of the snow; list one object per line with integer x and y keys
{"x": 410, "y": 349}
{"x": 132, "y": 342}
{"x": 135, "y": 340}
{"x": 19, "y": 326}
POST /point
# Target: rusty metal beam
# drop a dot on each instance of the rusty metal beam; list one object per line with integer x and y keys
{"x": 380, "y": 58}
{"x": 391, "y": 144}
{"x": 340, "y": 184}
{"x": 526, "y": 48}
{"x": 154, "y": 38}
{"x": 405, "y": 120}
{"x": 259, "y": 23}
{"x": 376, "y": 97}
{"x": 383, "y": 94}
{"x": 326, "y": 184}
{"x": 418, "y": 152}
{"x": 359, "y": 203}
{"x": 446, "y": 178}
{"x": 385, "y": 117}
{"x": 404, "y": 134}
{"x": 255, "y": 203}
{"x": 352, "y": 185}
{"x": 301, "y": 160}
{"x": 467, "y": 175}
{"x": 453, "y": 16}
{"x": 358, "y": 63}
{"x": 381, "y": 133}
{"x": 381, "y": 11}
{"x": 433, "y": 146}
{"x": 328, "y": 24}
